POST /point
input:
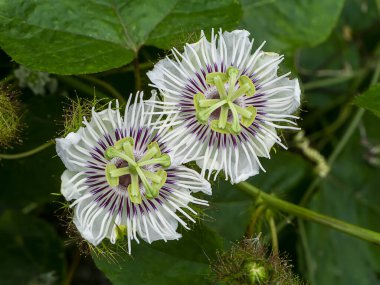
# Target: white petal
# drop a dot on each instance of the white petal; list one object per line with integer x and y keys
{"x": 63, "y": 146}
{"x": 93, "y": 222}
{"x": 190, "y": 180}
{"x": 150, "y": 233}
{"x": 290, "y": 94}
{"x": 71, "y": 186}
{"x": 238, "y": 47}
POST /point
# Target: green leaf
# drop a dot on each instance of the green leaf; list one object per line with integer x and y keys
{"x": 370, "y": 100}
{"x": 288, "y": 25}
{"x": 349, "y": 193}
{"x": 31, "y": 251}
{"x": 79, "y": 36}
{"x": 185, "y": 261}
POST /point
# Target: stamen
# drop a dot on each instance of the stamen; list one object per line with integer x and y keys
{"x": 134, "y": 189}
{"x": 163, "y": 160}
{"x": 112, "y": 181}
{"x": 207, "y": 102}
{"x": 150, "y": 192}
{"x": 210, "y": 77}
{"x": 152, "y": 176}
{"x": 244, "y": 111}
{"x": 246, "y": 80}
{"x": 246, "y": 122}
{"x": 223, "y": 116}
{"x": 120, "y": 172}
{"x": 153, "y": 151}
{"x": 240, "y": 92}
{"x": 236, "y": 128}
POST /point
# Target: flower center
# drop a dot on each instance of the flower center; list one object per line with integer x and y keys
{"x": 225, "y": 85}
{"x": 132, "y": 171}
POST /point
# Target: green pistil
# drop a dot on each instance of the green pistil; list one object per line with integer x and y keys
{"x": 240, "y": 116}
{"x": 152, "y": 181}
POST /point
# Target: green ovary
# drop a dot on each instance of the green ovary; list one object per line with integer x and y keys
{"x": 225, "y": 103}
{"x": 136, "y": 170}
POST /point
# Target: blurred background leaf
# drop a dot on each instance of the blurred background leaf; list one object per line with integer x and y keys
{"x": 370, "y": 100}
{"x": 31, "y": 251}
{"x": 288, "y": 25}
{"x": 349, "y": 193}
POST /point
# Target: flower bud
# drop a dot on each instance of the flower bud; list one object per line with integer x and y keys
{"x": 249, "y": 262}
{"x": 10, "y": 117}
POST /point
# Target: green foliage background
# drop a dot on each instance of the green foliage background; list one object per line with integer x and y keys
{"x": 331, "y": 46}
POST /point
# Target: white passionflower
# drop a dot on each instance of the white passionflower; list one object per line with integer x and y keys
{"x": 227, "y": 103}
{"x": 119, "y": 173}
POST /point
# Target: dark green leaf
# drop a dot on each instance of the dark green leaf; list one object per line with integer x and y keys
{"x": 287, "y": 25}
{"x": 73, "y": 37}
{"x": 370, "y": 100}
{"x": 185, "y": 261}
{"x": 349, "y": 193}
{"x": 32, "y": 252}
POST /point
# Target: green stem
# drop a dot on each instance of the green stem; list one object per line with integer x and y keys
{"x": 273, "y": 233}
{"x": 26, "y": 153}
{"x": 306, "y": 250}
{"x": 106, "y": 86}
{"x": 80, "y": 86}
{"x": 327, "y": 82}
{"x": 307, "y": 214}
{"x": 256, "y": 215}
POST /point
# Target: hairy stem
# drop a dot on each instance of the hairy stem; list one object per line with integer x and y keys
{"x": 255, "y": 216}
{"x": 80, "y": 86}
{"x": 273, "y": 233}
{"x": 27, "y": 153}
{"x": 309, "y": 215}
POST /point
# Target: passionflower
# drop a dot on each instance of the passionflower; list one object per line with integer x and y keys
{"x": 226, "y": 103}
{"x": 122, "y": 180}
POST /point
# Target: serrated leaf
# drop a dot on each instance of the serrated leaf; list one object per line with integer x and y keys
{"x": 80, "y": 36}
{"x": 370, "y": 100}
